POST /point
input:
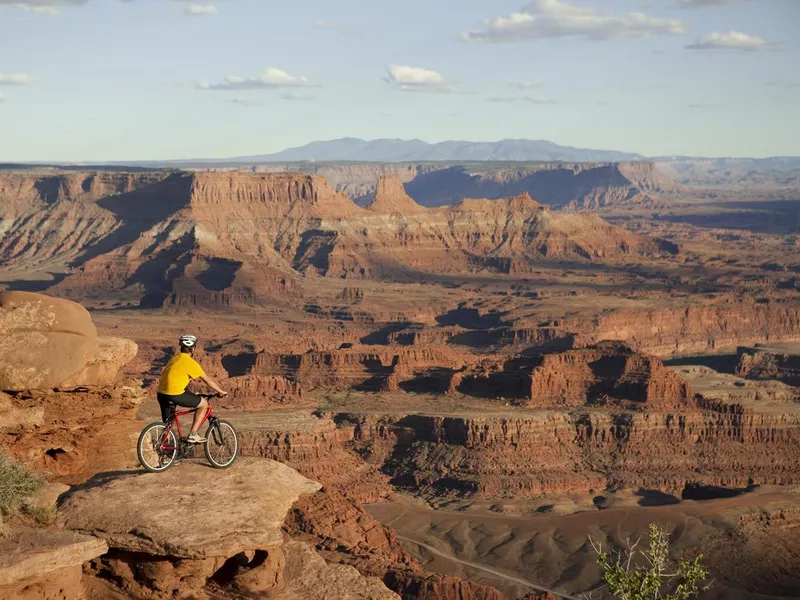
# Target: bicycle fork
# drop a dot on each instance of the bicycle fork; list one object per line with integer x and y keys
{"x": 214, "y": 431}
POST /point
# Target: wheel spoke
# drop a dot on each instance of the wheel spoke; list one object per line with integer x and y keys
{"x": 222, "y": 445}
{"x": 157, "y": 447}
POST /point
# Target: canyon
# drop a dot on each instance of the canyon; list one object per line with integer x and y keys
{"x": 461, "y": 372}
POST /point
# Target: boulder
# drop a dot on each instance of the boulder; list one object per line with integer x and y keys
{"x": 190, "y": 511}
{"x": 104, "y": 366}
{"x": 43, "y": 340}
{"x": 45, "y": 564}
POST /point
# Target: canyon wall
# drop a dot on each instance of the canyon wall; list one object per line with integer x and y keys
{"x": 224, "y": 239}
{"x": 675, "y": 327}
{"x": 698, "y": 327}
{"x": 573, "y": 185}
{"x": 517, "y": 456}
{"x": 765, "y": 363}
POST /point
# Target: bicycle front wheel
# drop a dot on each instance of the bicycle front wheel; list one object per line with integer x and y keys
{"x": 157, "y": 447}
{"x": 222, "y": 446}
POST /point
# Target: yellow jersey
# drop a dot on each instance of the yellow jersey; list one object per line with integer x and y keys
{"x": 180, "y": 370}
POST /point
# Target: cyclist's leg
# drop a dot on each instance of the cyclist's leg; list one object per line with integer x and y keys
{"x": 167, "y": 407}
{"x": 200, "y": 406}
{"x": 199, "y": 415}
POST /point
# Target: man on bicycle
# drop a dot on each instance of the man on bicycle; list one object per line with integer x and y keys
{"x": 180, "y": 370}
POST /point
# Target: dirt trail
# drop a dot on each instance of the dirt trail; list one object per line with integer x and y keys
{"x": 479, "y": 567}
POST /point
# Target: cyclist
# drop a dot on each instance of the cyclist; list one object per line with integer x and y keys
{"x": 180, "y": 370}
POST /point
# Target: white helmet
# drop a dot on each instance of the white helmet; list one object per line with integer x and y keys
{"x": 188, "y": 341}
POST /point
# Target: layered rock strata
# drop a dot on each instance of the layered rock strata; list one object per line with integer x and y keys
{"x": 226, "y": 536}
{"x": 39, "y": 564}
{"x": 583, "y": 185}
{"x": 227, "y": 239}
{"x": 553, "y": 452}
{"x": 608, "y": 372}
{"x": 765, "y": 363}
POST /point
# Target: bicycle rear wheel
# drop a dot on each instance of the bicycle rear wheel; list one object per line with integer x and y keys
{"x": 222, "y": 446}
{"x": 157, "y": 447}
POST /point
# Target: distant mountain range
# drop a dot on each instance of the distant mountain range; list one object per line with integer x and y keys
{"x": 389, "y": 150}
{"x": 384, "y": 150}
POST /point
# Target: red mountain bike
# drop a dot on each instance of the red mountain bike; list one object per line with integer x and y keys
{"x": 159, "y": 446}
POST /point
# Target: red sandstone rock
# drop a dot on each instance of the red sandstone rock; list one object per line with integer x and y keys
{"x": 72, "y": 435}
{"x": 37, "y": 564}
{"x": 105, "y": 365}
{"x": 391, "y": 197}
{"x": 51, "y": 342}
{"x": 764, "y": 363}
{"x": 440, "y": 587}
{"x": 552, "y": 452}
{"x": 44, "y": 341}
{"x": 188, "y": 239}
{"x": 605, "y": 373}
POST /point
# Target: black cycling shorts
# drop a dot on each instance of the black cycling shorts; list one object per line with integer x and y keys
{"x": 186, "y": 399}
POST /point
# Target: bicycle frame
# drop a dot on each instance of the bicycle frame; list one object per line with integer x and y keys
{"x": 175, "y": 422}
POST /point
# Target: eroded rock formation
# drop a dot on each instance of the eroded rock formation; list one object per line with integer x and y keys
{"x": 51, "y": 342}
{"x": 583, "y": 185}
{"x": 606, "y": 373}
{"x": 765, "y": 363}
{"x": 226, "y": 239}
{"x": 185, "y": 535}
{"x": 73, "y": 434}
{"x": 553, "y": 452}
{"x": 37, "y": 564}
{"x": 391, "y": 197}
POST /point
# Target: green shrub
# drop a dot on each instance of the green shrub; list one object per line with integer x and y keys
{"x": 18, "y": 485}
{"x": 650, "y": 574}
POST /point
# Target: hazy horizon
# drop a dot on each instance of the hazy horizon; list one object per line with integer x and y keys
{"x": 147, "y": 80}
{"x": 221, "y": 159}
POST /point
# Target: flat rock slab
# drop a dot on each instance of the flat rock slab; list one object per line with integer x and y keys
{"x": 32, "y": 554}
{"x": 190, "y": 511}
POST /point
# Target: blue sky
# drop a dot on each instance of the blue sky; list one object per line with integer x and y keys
{"x": 159, "y": 79}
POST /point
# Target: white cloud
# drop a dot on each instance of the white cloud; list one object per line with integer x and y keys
{"x": 534, "y": 99}
{"x": 245, "y": 102}
{"x": 49, "y": 11}
{"x": 15, "y": 79}
{"x": 295, "y": 97}
{"x": 49, "y": 8}
{"x": 416, "y": 79}
{"x": 525, "y": 85}
{"x": 2, "y": 97}
{"x": 703, "y": 3}
{"x": 539, "y": 99}
{"x": 541, "y": 19}
{"x": 405, "y": 75}
{"x": 732, "y": 40}
{"x": 322, "y": 24}
{"x": 200, "y": 10}
{"x": 45, "y": 2}
{"x": 271, "y": 78}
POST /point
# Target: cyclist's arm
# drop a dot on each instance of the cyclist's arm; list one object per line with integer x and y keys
{"x": 212, "y": 384}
